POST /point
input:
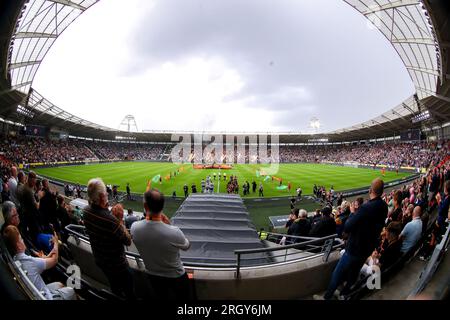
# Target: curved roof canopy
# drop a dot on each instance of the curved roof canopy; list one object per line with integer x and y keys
{"x": 405, "y": 23}
{"x": 41, "y": 23}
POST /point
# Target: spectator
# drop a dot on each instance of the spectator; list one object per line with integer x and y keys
{"x": 407, "y": 215}
{"x": 340, "y": 199}
{"x": 6, "y": 195}
{"x": 21, "y": 180}
{"x": 78, "y": 190}
{"x": 443, "y": 208}
{"x": 396, "y": 213}
{"x": 12, "y": 184}
{"x": 363, "y": 231}
{"x": 354, "y": 207}
{"x": 434, "y": 185}
{"x": 10, "y": 215}
{"x": 35, "y": 266}
{"x": 315, "y": 218}
{"x": 292, "y": 217}
{"x": 292, "y": 202}
{"x": 62, "y": 217}
{"x": 301, "y": 226}
{"x": 34, "y": 225}
{"x": 326, "y": 226}
{"x": 419, "y": 201}
{"x": 342, "y": 218}
{"x": 117, "y": 211}
{"x": 358, "y": 203}
{"x": 130, "y": 219}
{"x": 412, "y": 232}
{"x": 412, "y": 195}
{"x": 47, "y": 206}
{"x": 108, "y": 236}
{"x": 389, "y": 253}
{"x": 162, "y": 258}
{"x": 38, "y": 191}
{"x": 78, "y": 215}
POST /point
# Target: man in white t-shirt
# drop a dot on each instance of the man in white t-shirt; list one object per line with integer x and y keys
{"x": 159, "y": 245}
{"x": 35, "y": 266}
{"x": 12, "y": 185}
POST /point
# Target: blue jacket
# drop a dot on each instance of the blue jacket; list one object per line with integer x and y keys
{"x": 443, "y": 211}
{"x": 364, "y": 228}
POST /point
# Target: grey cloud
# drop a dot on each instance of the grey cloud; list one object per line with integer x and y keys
{"x": 283, "y": 98}
{"x": 320, "y": 46}
{"x": 296, "y": 119}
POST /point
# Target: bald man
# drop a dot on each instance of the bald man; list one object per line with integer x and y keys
{"x": 412, "y": 231}
{"x": 363, "y": 229}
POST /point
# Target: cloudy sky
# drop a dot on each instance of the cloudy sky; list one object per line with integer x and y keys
{"x": 228, "y": 65}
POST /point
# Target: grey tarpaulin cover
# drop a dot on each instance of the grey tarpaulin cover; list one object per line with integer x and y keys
{"x": 216, "y": 225}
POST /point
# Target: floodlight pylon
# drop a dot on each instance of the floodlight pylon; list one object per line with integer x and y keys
{"x": 129, "y": 122}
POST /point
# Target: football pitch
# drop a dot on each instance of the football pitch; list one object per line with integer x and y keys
{"x": 137, "y": 174}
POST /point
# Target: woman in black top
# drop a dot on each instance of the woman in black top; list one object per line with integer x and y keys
{"x": 397, "y": 213}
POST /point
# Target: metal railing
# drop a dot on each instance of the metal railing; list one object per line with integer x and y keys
{"x": 433, "y": 263}
{"x": 20, "y": 276}
{"x": 313, "y": 247}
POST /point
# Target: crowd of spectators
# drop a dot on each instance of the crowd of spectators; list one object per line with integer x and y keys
{"x": 34, "y": 220}
{"x": 377, "y": 231}
{"x": 415, "y": 155}
{"x": 128, "y": 151}
{"x": 22, "y": 150}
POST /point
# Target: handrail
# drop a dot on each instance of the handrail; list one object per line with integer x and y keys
{"x": 21, "y": 277}
{"x": 137, "y": 256}
{"x": 326, "y": 249}
{"x": 432, "y": 264}
{"x": 77, "y": 235}
{"x": 290, "y": 246}
{"x": 287, "y": 235}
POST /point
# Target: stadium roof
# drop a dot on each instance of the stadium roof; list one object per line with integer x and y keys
{"x": 41, "y": 24}
{"x": 410, "y": 29}
{"x": 416, "y": 29}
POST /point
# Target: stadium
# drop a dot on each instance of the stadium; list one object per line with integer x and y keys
{"x": 266, "y": 216}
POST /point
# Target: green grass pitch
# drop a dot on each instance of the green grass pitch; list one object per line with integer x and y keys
{"x": 138, "y": 173}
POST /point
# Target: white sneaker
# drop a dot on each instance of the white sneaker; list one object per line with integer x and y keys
{"x": 318, "y": 297}
{"x": 339, "y": 296}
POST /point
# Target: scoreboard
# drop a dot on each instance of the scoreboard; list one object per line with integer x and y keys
{"x": 33, "y": 130}
{"x": 410, "y": 135}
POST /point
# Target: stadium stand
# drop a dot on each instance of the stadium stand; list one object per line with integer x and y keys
{"x": 28, "y": 151}
{"x": 296, "y": 269}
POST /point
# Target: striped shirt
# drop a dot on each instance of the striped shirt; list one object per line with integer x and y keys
{"x": 108, "y": 238}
